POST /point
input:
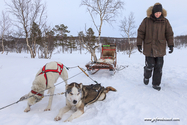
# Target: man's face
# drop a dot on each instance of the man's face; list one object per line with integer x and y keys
{"x": 158, "y": 14}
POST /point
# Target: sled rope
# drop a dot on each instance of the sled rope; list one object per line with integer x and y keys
{"x": 54, "y": 94}
{"x": 10, "y": 105}
{"x": 121, "y": 67}
{"x": 70, "y": 67}
{"x": 22, "y": 99}
{"x": 87, "y": 74}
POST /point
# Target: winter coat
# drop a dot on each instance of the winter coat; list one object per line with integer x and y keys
{"x": 154, "y": 34}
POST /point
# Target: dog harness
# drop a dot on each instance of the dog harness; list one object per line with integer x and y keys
{"x": 94, "y": 92}
{"x": 45, "y": 71}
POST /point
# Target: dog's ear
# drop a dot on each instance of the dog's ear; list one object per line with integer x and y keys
{"x": 80, "y": 85}
{"x": 24, "y": 97}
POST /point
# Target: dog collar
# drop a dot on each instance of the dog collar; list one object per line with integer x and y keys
{"x": 36, "y": 93}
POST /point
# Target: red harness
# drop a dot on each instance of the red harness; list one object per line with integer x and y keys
{"x": 44, "y": 71}
{"x": 36, "y": 93}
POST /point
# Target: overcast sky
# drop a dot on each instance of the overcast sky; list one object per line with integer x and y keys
{"x": 71, "y": 14}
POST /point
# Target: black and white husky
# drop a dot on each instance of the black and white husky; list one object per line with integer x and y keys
{"x": 78, "y": 96}
{"x": 45, "y": 79}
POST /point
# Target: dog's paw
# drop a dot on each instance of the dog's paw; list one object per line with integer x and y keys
{"x": 68, "y": 120}
{"x": 26, "y": 110}
{"x": 47, "y": 109}
{"x": 57, "y": 118}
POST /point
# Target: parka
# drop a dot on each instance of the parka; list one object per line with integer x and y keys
{"x": 155, "y": 34}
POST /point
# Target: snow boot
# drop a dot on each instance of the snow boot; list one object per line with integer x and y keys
{"x": 156, "y": 87}
{"x": 146, "y": 81}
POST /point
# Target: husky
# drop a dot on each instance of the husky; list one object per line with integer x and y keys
{"x": 78, "y": 96}
{"x": 45, "y": 79}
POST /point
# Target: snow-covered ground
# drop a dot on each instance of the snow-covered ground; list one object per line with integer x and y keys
{"x": 130, "y": 105}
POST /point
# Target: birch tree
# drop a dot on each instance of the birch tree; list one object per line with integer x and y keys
{"x": 106, "y": 10}
{"x": 26, "y": 12}
{"x": 4, "y": 27}
{"x": 127, "y": 27}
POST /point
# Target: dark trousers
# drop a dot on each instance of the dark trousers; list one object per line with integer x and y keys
{"x": 154, "y": 64}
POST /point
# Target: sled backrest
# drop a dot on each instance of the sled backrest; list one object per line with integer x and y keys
{"x": 108, "y": 51}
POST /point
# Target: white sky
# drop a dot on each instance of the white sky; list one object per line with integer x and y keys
{"x": 71, "y": 14}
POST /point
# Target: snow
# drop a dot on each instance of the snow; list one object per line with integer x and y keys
{"x": 130, "y": 105}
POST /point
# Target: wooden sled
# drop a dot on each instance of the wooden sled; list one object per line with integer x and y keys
{"x": 107, "y": 60}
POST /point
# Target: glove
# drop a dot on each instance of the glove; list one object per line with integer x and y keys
{"x": 171, "y": 49}
{"x": 139, "y": 48}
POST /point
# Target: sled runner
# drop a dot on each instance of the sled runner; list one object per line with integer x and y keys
{"x": 107, "y": 60}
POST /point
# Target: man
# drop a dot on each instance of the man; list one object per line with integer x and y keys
{"x": 154, "y": 32}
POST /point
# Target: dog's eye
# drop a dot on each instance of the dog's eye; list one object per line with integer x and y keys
{"x": 71, "y": 93}
{"x": 78, "y": 93}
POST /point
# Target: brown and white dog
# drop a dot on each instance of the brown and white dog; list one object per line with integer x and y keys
{"x": 78, "y": 96}
{"x": 45, "y": 79}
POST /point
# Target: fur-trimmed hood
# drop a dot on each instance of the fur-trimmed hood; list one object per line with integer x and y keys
{"x": 149, "y": 11}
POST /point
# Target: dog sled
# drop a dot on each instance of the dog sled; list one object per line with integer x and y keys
{"x": 107, "y": 60}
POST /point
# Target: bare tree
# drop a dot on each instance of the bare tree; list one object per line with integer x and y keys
{"x": 107, "y": 10}
{"x": 4, "y": 25}
{"x": 127, "y": 27}
{"x": 88, "y": 42}
{"x": 88, "y": 47}
{"x": 27, "y": 12}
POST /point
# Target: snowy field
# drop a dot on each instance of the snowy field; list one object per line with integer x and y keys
{"x": 130, "y": 105}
